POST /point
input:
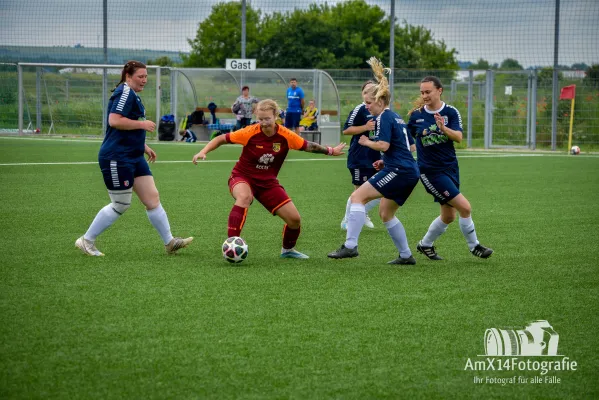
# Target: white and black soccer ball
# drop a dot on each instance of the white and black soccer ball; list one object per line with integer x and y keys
{"x": 235, "y": 249}
{"x": 575, "y": 150}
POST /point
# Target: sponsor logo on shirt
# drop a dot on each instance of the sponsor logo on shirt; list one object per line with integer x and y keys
{"x": 265, "y": 160}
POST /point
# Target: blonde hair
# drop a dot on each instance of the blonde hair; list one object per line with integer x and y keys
{"x": 379, "y": 89}
{"x": 268, "y": 104}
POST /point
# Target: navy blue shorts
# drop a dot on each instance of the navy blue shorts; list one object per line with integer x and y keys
{"x": 395, "y": 184}
{"x": 292, "y": 119}
{"x": 443, "y": 186}
{"x": 361, "y": 175}
{"x": 119, "y": 175}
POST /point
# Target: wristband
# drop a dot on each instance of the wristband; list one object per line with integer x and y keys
{"x": 329, "y": 151}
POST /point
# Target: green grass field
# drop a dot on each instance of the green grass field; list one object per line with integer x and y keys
{"x": 140, "y": 324}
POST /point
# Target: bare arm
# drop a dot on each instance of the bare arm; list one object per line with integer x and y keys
{"x": 330, "y": 151}
{"x": 212, "y": 145}
{"x": 125, "y": 124}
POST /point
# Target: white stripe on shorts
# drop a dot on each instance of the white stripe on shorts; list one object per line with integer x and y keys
{"x": 114, "y": 173}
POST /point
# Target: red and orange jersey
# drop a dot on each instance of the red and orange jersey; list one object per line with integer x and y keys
{"x": 263, "y": 156}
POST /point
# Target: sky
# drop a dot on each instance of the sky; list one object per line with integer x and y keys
{"x": 489, "y": 29}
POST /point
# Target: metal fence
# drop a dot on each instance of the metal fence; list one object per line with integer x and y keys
{"x": 500, "y": 109}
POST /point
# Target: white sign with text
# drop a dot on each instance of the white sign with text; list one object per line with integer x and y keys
{"x": 240, "y": 64}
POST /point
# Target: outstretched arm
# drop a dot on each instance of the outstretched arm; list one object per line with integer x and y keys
{"x": 328, "y": 150}
{"x": 212, "y": 145}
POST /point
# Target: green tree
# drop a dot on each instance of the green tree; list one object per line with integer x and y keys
{"x": 219, "y": 36}
{"x": 163, "y": 61}
{"x": 322, "y": 36}
{"x": 481, "y": 64}
{"x": 592, "y": 76}
{"x": 510, "y": 64}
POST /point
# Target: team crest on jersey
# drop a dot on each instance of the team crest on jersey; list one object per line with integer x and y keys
{"x": 276, "y": 147}
{"x": 445, "y": 120}
{"x": 126, "y": 183}
{"x": 446, "y": 193}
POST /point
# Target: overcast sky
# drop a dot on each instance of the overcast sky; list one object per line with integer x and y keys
{"x": 491, "y": 29}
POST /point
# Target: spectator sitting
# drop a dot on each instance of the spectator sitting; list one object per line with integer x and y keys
{"x": 243, "y": 108}
{"x": 188, "y": 136}
{"x": 308, "y": 121}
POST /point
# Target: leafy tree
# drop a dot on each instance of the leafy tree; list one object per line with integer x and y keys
{"x": 545, "y": 76}
{"x": 510, "y": 64}
{"x": 481, "y": 64}
{"x": 342, "y": 36}
{"x": 219, "y": 36}
{"x": 163, "y": 61}
{"x": 579, "y": 66}
{"x": 592, "y": 76}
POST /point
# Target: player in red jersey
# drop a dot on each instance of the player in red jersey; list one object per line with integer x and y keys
{"x": 265, "y": 146}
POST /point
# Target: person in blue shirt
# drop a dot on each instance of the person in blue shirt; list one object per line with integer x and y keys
{"x": 435, "y": 126}
{"x": 360, "y": 158}
{"x": 396, "y": 179}
{"x": 123, "y": 165}
{"x": 295, "y": 106}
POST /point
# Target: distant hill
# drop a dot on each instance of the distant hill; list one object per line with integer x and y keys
{"x": 79, "y": 55}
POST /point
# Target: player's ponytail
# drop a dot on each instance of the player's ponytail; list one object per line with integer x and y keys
{"x": 380, "y": 89}
{"x": 129, "y": 69}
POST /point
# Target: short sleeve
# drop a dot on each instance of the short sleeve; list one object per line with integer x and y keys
{"x": 454, "y": 120}
{"x": 123, "y": 103}
{"x": 295, "y": 141}
{"x": 242, "y": 136}
{"x": 384, "y": 125}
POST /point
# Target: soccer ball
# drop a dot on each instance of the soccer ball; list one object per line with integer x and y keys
{"x": 235, "y": 249}
{"x": 575, "y": 150}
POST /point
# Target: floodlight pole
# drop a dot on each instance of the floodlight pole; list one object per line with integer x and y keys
{"x": 555, "y": 96}
{"x": 392, "y": 53}
{"x": 243, "y": 38}
{"x": 104, "y": 70}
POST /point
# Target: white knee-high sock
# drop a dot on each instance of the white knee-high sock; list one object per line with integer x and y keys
{"x": 467, "y": 227}
{"x": 371, "y": 204}
{"x": 398, "y": 235}
{"x": 434, "y": 231}
{"x": 159, "y": 220}
{"x": 347, "y": 207}
{"x": 355, "y": 222}
{"x": 105, "y": 217}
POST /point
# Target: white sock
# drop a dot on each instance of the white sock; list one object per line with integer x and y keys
{"x": 105, "y": 217}
{"x": 355, "y": 222}
{"x": 434, "y": 231}
{"x": 347, "y": 206}
{"x": 159, "y": 220}
{"x": 398, "y": 235}
{"x": 467, "y": 227}
{"x": 371, "y": 204}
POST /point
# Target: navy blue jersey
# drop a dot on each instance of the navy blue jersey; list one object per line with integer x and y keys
{"x": 435, "y": 150}
{"x": 359, "y": 156}
{"x": 391, "y": 128}
{"x": 124, "y": 145}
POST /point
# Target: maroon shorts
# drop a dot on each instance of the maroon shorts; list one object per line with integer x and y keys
{"x": 269, "y": 193}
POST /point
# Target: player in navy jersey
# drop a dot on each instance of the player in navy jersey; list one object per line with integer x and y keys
{"x": 360, "y": 158}
{"x": 394, "y": 182}
{"x": 265, "y": 147}
{"x": 435, "y": 126}
{"x": 123, "y": 165}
